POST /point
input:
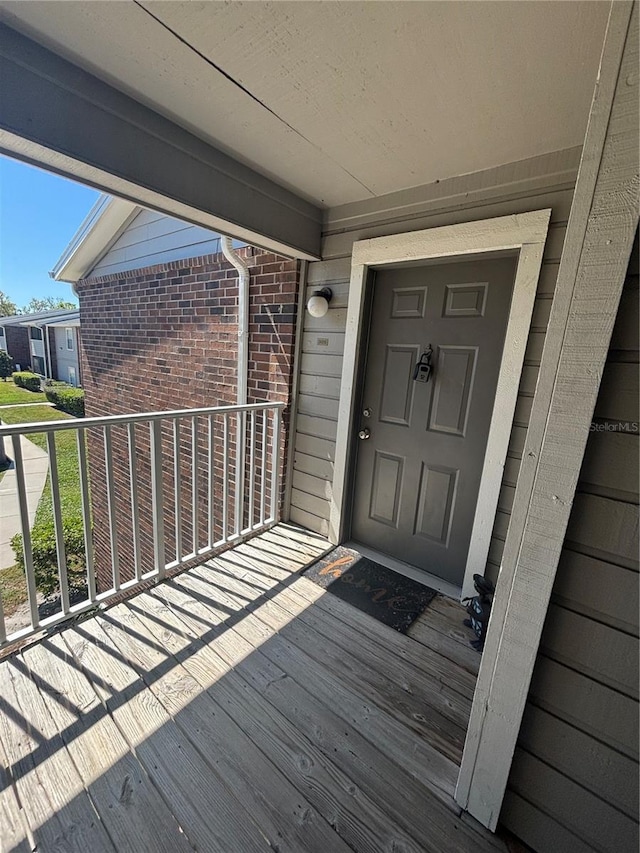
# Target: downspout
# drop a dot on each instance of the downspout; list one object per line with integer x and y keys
{"x": 243, "y": 370}
{"x": 243, "y": 317}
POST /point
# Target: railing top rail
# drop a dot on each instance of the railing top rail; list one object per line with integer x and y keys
{"x": 111, "y": 420}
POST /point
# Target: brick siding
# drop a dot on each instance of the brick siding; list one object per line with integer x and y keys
{"x": 17, "y": 338}
{"x": 163, "y": 338}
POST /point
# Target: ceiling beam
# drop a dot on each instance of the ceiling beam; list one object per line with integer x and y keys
{"x": 55, "y": 115}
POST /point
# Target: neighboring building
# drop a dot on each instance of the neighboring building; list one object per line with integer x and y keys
{"x": 46, "y": 342}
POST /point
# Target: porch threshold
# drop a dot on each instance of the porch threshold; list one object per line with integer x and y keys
{"x": 239, "y": 707}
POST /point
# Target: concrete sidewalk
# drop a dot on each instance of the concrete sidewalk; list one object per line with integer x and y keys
{"x": 36, "y": 466}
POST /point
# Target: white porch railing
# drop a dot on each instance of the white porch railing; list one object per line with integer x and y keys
{"x": 156, "y": 491}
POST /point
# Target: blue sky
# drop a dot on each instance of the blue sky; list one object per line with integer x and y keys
{"x": 39, "y": 214}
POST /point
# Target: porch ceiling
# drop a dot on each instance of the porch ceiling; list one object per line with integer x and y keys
{"x": 340, "y": 102}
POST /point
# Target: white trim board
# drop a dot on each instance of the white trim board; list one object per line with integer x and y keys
{"x": 525, "y": 233}
{"x": 600, "y": 233}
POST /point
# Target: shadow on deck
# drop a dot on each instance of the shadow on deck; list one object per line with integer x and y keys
{"x": 239, "y": 708}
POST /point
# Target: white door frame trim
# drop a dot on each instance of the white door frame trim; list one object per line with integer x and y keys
{"x": 525, "y": 233}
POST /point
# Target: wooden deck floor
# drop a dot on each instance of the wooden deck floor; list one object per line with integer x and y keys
{"x": 238, "y": 708}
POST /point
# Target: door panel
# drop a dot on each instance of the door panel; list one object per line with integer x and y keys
{"x": 397, "y": 384}
{"x": 417, "y": 476}
{"x": 452, "y": 389}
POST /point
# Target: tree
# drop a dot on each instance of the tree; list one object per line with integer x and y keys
{"x": 6, "y": 365}
{"x": 7, "y": 307}
{"x": 47, "y": 303}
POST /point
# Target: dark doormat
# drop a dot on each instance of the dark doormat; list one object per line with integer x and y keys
{"x": 387, "y": 596}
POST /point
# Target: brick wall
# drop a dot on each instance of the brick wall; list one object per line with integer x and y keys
{"x": 164, "y": 338}
{"x": 17, "y": 338}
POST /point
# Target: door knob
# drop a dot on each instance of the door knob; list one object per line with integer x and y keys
{"x": 364, "y": 434}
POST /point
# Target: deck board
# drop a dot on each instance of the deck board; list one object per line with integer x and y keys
{"x": 239, "y": 707}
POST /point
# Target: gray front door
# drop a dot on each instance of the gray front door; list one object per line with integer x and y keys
{"x": 418, "y": 473}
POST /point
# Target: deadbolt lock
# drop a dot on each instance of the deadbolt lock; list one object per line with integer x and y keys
{"x": 366, "y": 413}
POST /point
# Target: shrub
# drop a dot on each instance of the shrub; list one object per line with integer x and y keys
{"x": 45, "y": 556}
{"x": 27, "y": 379}
{"x": 6, "y": 365}
{"x": 66, "y": 397}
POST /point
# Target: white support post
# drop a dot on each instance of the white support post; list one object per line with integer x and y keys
{"x": 600, "y": 232}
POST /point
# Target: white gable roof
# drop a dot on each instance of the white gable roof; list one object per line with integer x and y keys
{"x": 117, "y": 236}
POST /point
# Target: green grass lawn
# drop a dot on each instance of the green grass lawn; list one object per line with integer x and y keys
{"x": 10, "y": 393}
{"x": 12, "y": 580}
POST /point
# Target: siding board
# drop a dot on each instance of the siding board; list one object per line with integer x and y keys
{"x": 610, "y": 466}
{"x": 309, "y": 520}
{"x": 605, "y": 528}
{"x": 322, "y": 407}
{"x": 574, "y": 779}
{"x": 541, "y": 830}
{"x": 152, "y": 238}
{"x": 601, "y": 590}
{"x": 609, "y": 656}
{"x": 592, "y": 707}
{"x": 597, "y": 823}
{"x": 605, "y": 772}
{"x": 619, "y": 397}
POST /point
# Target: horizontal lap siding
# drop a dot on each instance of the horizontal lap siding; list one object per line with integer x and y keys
{"x": 152, "y": 238}
{"x": 517, "y": 188}
{"x": 575, "y": 774}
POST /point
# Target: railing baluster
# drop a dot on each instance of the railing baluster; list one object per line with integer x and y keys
{"x": 26, "y": 532}
{"x": 3, "y": 627}
{"x": 263, "y": 470}
{"x": 157, "y": 496}
{"x": 211, "y": 483}
{"x": 275, "y": 467}
{"x": 225, "y": 475}
{"x": 252, "y": 472}
{"x": 240, "y": 457}
{"x": 86, "y": 513}
{"x": 111, "y": 507}
{"x": 195, "y": 503}
{"x": 177, "y": 488}
{"x": 135, "y": 514}
{"x": 57, "y": 522}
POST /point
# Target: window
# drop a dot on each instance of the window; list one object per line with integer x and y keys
{"x": 35, "y": 333}
{"x": 73, "y": 379}
{"x": 38, "y": 365}
{"x": 69, "y": 333}
{"x": 3, "y": 343}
